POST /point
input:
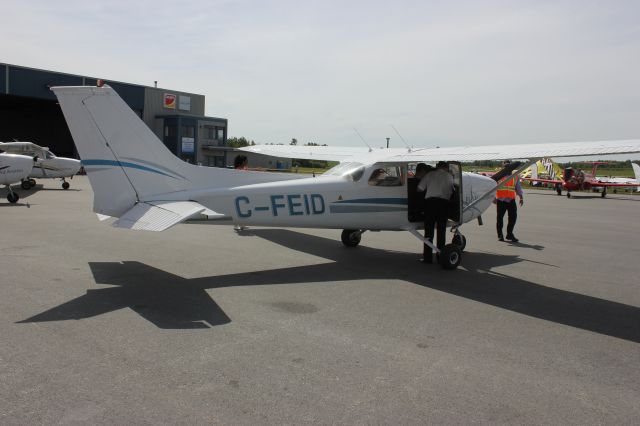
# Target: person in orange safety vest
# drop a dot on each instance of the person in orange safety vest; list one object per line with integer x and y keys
{"x": 506, "y": 202}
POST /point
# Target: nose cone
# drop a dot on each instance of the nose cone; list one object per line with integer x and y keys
{"x": 475, "y": 186}
{"x": 73, "y": 165}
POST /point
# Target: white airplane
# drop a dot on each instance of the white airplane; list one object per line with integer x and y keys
{"x": 624, "y": 180}
{"x": 13, "y": 169}
{"x": 49, "y": 166}
{"x": 138, "y": 180}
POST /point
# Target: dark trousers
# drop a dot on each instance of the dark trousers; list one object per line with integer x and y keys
{"x": 512, "y": 208}
{"x": 435, "y": 215}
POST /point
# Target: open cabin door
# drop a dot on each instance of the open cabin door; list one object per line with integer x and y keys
{"x": 415, "y": 199}
{"x": 455, "y": 204}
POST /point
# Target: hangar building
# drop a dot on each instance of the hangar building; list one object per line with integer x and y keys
{"x": 29, "y": 112}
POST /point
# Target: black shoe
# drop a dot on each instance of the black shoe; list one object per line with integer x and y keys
{"x": 500, "y": 238}
{"x": 512, "y": 238}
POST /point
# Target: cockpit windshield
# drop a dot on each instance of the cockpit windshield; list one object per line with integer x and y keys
{"x": 353, "y": 170}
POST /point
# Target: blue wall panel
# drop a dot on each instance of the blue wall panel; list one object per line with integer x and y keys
{"x": 3, "y": 79}
{"x": 132, "y": 95}
{"x": 35, "y": 83}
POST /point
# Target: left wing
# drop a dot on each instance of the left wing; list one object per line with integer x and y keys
{"x": 464, "y": 153}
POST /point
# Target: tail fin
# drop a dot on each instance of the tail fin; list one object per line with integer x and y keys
{"x": 636, "y": 172}
{"x": 124, "y": 160}
{"x": 534, "y": 170}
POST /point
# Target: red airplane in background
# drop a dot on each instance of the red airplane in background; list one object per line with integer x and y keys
{"x": 576, "y": 180}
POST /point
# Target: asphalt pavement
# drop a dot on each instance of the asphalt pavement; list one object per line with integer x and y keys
{"x": 200, "y": 325}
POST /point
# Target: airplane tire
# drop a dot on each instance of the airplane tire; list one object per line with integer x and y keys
{"x": 351, "y": 237}
{"x": 65, "y": 185}
{"x": 603, "y": 194}
{"x": 459, "y": 240}
{"x": 13, "y": 198}
{"x": 450, "y": 256}
{"x": 26, "y": 184}
{"x": 568, "y": 195}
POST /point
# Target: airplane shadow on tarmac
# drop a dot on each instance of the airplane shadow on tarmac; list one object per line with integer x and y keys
{"x": 173, "y": 302}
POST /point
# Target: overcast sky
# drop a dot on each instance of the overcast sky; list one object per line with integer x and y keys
{"x": 443, "y": 73}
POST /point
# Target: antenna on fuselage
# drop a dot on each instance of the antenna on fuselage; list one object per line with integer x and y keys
{"x": 363, "y": 141}
{"x": 401, "y": 138}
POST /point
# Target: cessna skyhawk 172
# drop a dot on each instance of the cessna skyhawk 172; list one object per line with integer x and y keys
{"x": 49, "y": 166}
{"x": 13, "y": 169}
{"x": 138, "y": 180}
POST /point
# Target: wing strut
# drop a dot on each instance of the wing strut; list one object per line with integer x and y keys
{"x": 492, "y": 191}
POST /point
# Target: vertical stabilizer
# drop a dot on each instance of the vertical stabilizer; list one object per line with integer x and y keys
{"x": 636, "y": 172}
{"x": 124, "y": 160}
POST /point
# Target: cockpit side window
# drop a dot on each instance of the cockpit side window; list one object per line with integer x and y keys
{"x": 352, "y": 170}
{"x": 386, "y": 176}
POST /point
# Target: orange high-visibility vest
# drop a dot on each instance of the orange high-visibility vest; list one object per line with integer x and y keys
{"x": 508, "y": 190}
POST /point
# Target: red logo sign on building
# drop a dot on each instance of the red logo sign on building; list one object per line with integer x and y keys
{"x": 170, "y": 100}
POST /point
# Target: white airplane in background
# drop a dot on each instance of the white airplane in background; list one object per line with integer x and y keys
{"x": 138, "y": 180}
{"x": 49, "y": 166}
{"x": 624, "y": 180}
{"x": 13, "y": 169}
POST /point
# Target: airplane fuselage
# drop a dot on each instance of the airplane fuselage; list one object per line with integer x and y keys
{"x": 14, "y": 168}
{"x": 327, "y": 202}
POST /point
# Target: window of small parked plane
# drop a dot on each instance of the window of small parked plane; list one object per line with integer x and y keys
{"x": 386, "y": 176}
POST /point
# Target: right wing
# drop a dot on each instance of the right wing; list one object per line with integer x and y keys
{"x": 324, "y": 153}
{"x": 461, "y": 153}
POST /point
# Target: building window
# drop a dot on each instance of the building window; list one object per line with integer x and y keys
{"x": 220, "y": 133}
{"x": 188, "y": 131}
{"x": 169, "y": 131}
{"x": 209, "y": 132}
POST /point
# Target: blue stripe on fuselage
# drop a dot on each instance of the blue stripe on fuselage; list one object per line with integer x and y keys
{"x": 375, "y": 201}
{"x": 93, "y": 162}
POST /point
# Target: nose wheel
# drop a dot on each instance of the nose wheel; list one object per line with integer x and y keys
{"x": 12, "y": 197}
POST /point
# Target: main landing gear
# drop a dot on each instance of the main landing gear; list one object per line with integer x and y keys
{"x": 30, "y": 183}
{"x": 449, "y": 257}
{"x": 451, "y": 254}
{"x": 459, "y": 240}
{"x": 27, "y": 184}
{"x": 351, "y": 237}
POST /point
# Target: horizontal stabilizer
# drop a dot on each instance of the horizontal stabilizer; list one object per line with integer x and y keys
{"x": 161, "y": 215}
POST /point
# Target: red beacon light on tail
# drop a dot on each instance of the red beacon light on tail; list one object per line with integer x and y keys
{"x": 100, "y": 83}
